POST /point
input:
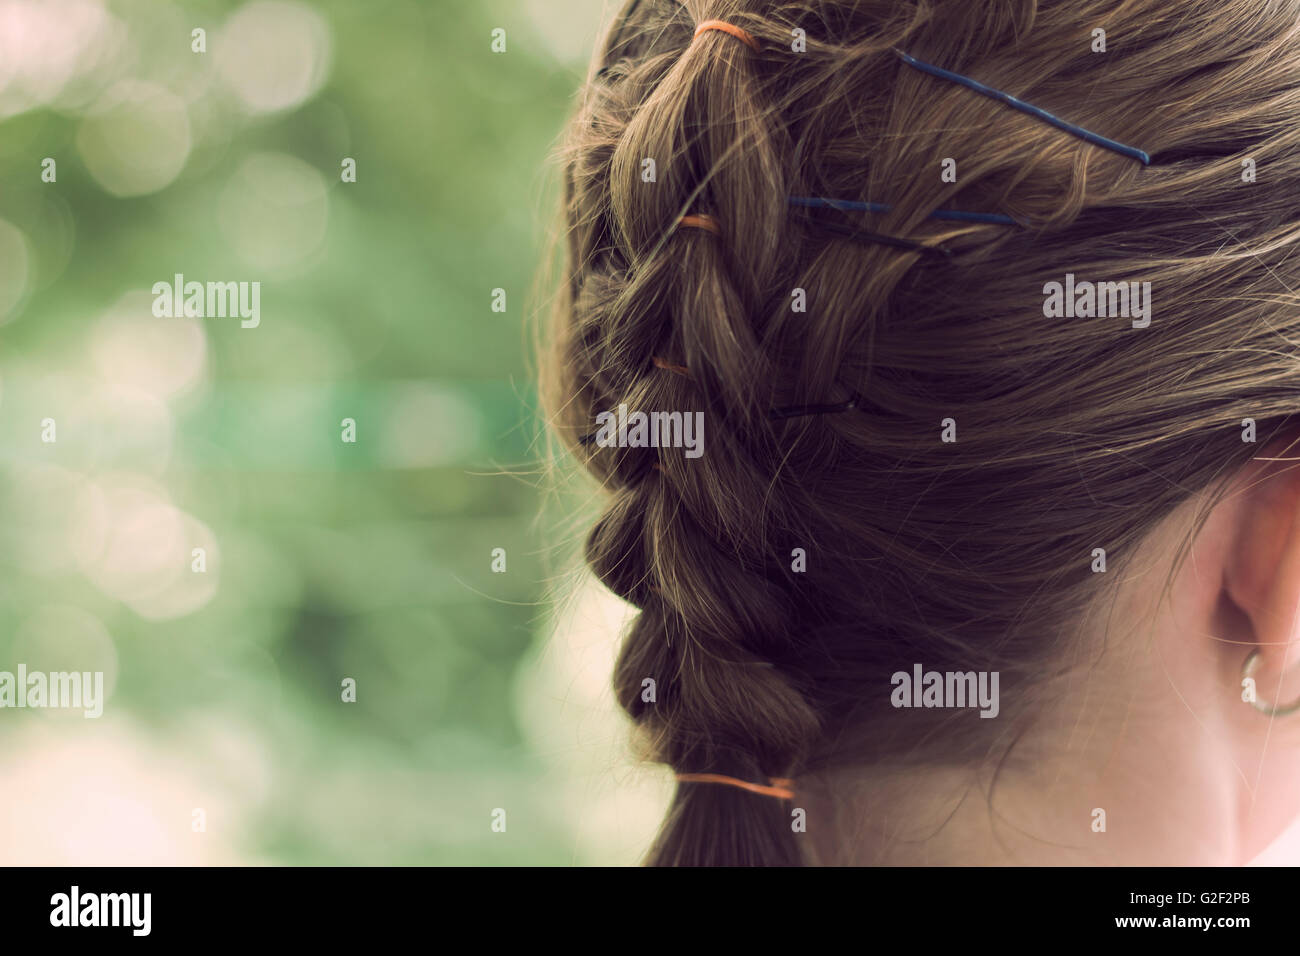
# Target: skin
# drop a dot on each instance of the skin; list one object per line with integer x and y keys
{"x": 1151, "y": 726}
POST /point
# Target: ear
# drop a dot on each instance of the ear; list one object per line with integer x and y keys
{"x": 1261, "y": 566}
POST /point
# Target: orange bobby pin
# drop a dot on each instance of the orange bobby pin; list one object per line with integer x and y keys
{"x": 780, "y": 785}
{"x": 669, "y": 367}
{"x": 731, "y": 28}
{"x": 701, "y": 222}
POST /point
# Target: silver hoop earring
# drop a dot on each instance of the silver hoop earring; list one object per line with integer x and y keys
{"x": 1264, "y": 707}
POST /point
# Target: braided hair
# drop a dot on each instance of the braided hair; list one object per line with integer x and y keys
{"x": 784, "y": 574}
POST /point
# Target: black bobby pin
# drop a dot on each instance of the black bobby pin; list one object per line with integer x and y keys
{"x": 802, "y": 411}
{"x": 790, "y": 411}
{"x": 866, "y": 236}
{"x": 1074, "y": 129}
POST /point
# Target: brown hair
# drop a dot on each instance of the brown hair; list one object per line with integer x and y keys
{"x": 1072, "y": 433}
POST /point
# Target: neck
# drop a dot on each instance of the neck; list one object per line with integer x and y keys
{"x": 1111, "y": 797}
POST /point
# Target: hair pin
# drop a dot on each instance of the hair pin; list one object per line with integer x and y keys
{"x": 779, "y": 787}
{"x": 744, "y": 36}
{"x": 1029, "y": 109}
{"x": 851, "y": 205}
{"x": 669, "y": 367}
{"x": 778, "y": 414}
{"x": 878, "y": 238}
{"x": 700, "y": 221}
{"x": 802, "y": 411}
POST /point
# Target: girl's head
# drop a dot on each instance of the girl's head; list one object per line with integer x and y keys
{"x": 1076, "y": 506}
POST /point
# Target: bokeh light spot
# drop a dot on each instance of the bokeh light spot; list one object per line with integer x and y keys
{"x": 15, "y": 269}
{"x": 274, "y": 54}
{"x": 273, "y": 211}
{"x": 136, "y": 139}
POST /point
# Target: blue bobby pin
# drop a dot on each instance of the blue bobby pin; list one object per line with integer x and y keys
{"x": 951, "y": 215}
{"x": 1095, "y": 138}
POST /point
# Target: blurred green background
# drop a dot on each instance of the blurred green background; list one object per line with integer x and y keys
{"x": 324, "y": 559}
